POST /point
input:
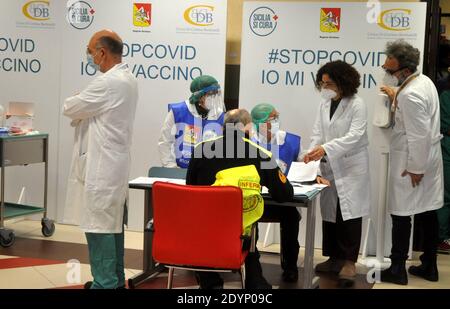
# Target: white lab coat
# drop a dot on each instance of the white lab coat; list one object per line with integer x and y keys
{"x": 345, "y": 141}
{"x": 415, "y": 147}
{"x": 166, "y": 142}
{"x": 103, "y": 114}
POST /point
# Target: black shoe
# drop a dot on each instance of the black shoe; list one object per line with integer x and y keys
{"x": 211, "y": 287}
{"x": 87, "y": 285}
{"x": 258, "y": 284}
{"x": 395, "y": 274}
{"x": 290, "y": 275}
{"x": 426, "y": 271}
{"x": 209, "y": 280}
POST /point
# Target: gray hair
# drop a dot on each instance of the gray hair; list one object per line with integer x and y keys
{"x": 406, "y": 55}
{"x": 236, "y": 116}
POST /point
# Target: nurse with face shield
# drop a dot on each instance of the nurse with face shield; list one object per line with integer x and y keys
{"x": 191, "y": 121}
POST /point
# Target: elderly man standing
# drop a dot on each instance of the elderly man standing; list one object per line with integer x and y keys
{"x": 416, "y": 173}
{"x": 103, "y": 115}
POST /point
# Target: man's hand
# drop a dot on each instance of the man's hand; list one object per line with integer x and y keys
{"x": 322, "y": 181}
{"x": 314, "y": 155}
{"x": 389, "y": 91}
{"x": 74, "y": 123}
{"x": 415, "y": 178}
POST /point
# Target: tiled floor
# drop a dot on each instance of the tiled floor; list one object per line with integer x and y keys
{"x": 69, "y": 242}
{"x": 67, "y": 233}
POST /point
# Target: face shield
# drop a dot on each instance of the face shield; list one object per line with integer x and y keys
{"x": 267, "y": 131}
{"x": 213, "y": 101}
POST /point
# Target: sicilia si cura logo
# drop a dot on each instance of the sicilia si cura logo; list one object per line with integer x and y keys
{"x": 263, "y": 21}
{"x": 80, "y": 15}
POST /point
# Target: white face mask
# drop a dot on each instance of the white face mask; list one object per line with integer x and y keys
{"x": 328, "y": 94}
{"x": 91, "y": 62}
{"x": 214, "y": 104}
{"x": 274, "y": 128}
{"x": 390, "y": 80}
{"x": 262, "y": 131}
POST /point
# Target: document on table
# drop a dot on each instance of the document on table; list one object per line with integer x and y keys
{"x": 300, "y": 189}
{"x": 151, "y": 180}
{"x": 301, "y": 172}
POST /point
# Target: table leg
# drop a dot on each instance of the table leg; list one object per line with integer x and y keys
{"x": 150, "y": 268}
{"x": 310, "y": 281}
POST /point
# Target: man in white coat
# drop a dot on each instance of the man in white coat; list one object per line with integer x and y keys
{"x": 103, "y": 115}
{"x": 416, "y": 172}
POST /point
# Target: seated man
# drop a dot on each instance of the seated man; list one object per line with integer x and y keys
{"x": 285, "y": 147}
{"x": 189, "y": 122}
{"x": 234, "y": 149}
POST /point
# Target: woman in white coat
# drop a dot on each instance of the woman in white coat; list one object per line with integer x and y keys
{"x": 339, "y": 140}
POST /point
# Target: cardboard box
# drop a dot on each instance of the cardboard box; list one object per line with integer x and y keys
{"x": 20, "y": 115}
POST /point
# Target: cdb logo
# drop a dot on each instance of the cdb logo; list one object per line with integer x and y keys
{"x": 37, "y": 10}
{"x": 398, "y": 21}
{"x": 202, "y": 16}
{"x": 395, "y": 19}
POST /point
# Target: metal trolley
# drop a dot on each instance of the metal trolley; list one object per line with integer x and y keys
{"x": 23, "y": 150}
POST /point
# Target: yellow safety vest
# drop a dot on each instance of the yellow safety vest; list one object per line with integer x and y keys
{"x": 247, "y": 178}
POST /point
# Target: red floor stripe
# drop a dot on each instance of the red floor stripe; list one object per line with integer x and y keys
{"x": 26, "y": 262}
{"x": 70, "y": 287}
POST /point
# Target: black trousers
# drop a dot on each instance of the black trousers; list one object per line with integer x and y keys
{"x": 401, "y": 233}
{"x": 341, "y": 240}
{"x": 253, "y": 271}
{"x": 289, "y": 219}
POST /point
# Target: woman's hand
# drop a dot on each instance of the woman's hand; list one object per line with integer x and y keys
{"x": 322, "y": 181}
{"x": 314, "y": 155}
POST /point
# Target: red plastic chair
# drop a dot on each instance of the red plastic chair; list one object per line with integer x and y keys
{"x": 198, "y": 228}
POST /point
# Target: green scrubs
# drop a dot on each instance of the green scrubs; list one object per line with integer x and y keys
{"x": 106, "y": 255}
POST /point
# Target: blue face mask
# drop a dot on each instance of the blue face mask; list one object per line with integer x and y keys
{"x": 91, "y": 63}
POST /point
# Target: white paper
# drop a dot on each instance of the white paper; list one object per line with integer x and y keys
{"x": 319, "y": 186}
{"x": 299, "y": 189}
{"x": 151, "y": 180}
{"x": 301, "y": 172}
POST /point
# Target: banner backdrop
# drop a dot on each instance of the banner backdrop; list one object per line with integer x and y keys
{"x": 167, "y": 43}
{"x": 285, "y": 43}
{"x": 30, "y": 54}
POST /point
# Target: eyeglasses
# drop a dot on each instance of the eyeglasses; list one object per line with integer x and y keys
{"x": 213, "y": 92}
{"x": 392, "y": 72}
{"x": 326, "y": 84}
{"x": 274, "y": 118}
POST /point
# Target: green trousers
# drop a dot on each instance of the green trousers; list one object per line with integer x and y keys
{"x": 106, "y": 255}
{"x": 444, "y": 212}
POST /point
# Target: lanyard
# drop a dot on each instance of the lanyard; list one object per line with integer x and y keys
{"x": 394, "y": 105}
